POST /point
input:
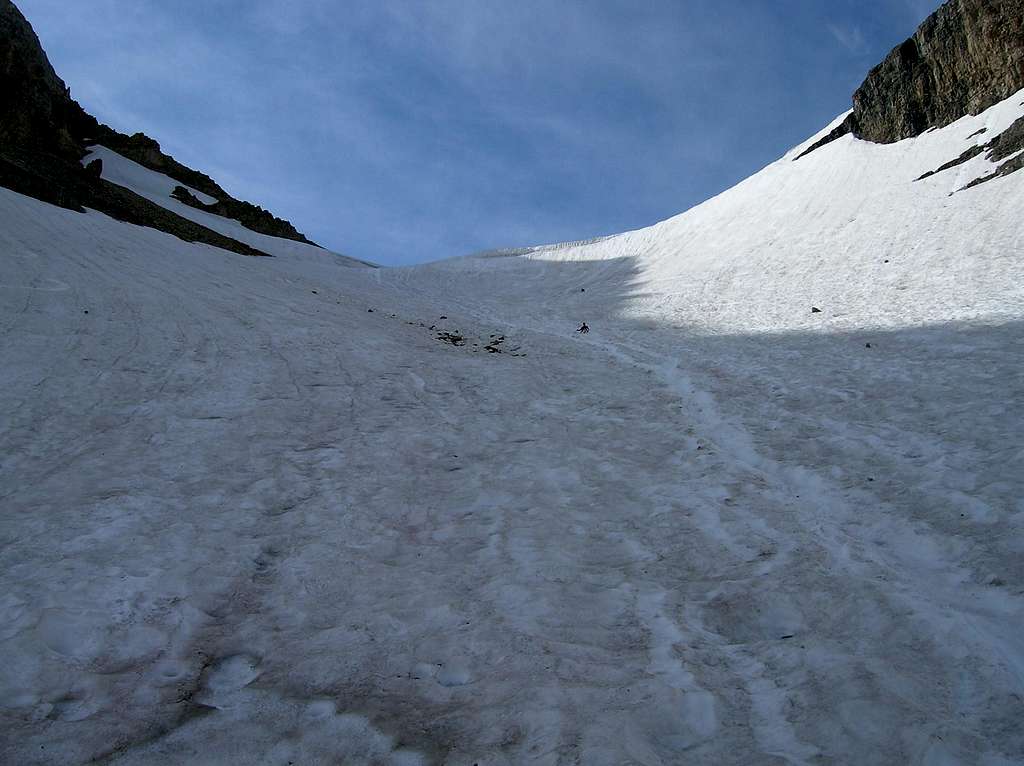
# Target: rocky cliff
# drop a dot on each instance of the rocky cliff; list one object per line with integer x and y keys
{"x": 36, "y": 110}
{"x": 44, "y": 133}
{"x": 964, "y": 58}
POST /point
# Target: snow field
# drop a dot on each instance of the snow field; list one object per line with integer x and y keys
{"x": 246, "y": 522}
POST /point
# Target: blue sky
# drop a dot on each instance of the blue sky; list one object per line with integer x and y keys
{"x": 402, "y": 131}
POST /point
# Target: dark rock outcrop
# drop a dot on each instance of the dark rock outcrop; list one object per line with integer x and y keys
{"x": 94, "y": 169}
{"x": 964, "y": 58}
{"x": 1010, "y": 141}
{"x": 144, "y": 150}
{"x": 970, "y": 154}
{"x": 36, "y": 108}
{"x": 44, "y": 134}
{"x": 66, "y": 183}
{"x": 845, "y": 127}
{"x": 251, "y": 216}
{"x": 1007, "y": 148}
{"x": 44, "y": 177}
{"x": 125, "y": 205}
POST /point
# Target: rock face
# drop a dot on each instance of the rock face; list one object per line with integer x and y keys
{"x": 44, "y": 134}
{"x": 964, "y": 58}
{"x": 36, "y": 109}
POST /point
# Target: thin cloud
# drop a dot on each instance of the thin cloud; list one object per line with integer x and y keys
{"x": 850, "y": 37}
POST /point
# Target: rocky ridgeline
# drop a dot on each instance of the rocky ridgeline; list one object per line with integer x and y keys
{"x": 44, "y": 134}
{"x": 964, "y": 58}
{"x": 144, "y": 150}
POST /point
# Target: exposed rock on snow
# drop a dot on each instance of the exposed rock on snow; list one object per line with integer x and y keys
{"x": 454, "y": 338}
{"x": 968, "y": 154}
{"x": 1007, "y": 148}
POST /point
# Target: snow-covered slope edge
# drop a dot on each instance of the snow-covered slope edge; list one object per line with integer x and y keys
{"x": 846, "y": 229}
{"x": 157, "y": 188}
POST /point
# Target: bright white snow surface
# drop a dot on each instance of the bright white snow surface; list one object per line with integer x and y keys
{"x": 246, "y": 520}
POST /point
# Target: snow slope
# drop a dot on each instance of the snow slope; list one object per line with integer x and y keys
{"x": 157, "y": 188}
{"x": 249, "y": 520}
{"x": 846, "y": 228}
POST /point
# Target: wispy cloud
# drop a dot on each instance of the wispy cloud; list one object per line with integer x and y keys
{"x": 850, "y": 37}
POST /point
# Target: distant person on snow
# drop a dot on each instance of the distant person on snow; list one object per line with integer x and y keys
{"x": 583, "y": 328}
